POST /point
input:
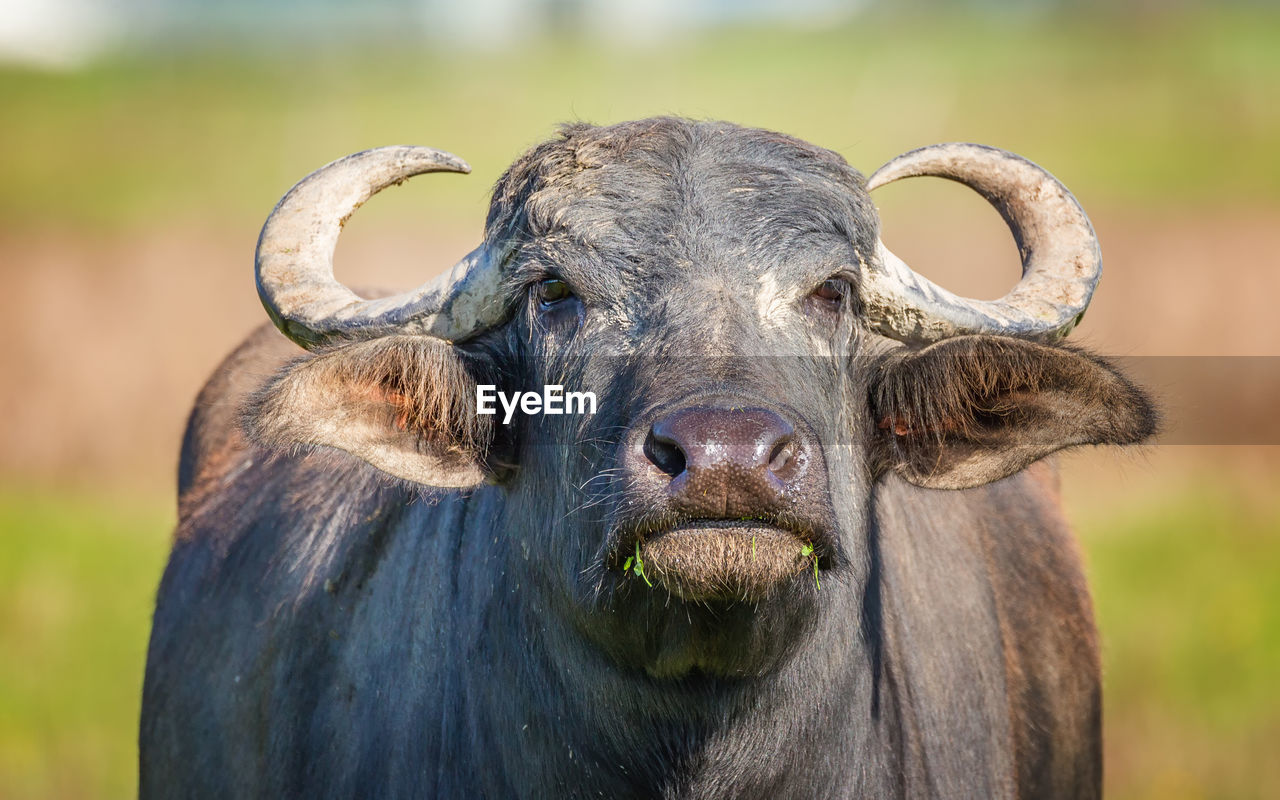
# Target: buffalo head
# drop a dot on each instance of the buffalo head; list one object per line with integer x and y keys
{"x": 761, "y": 361}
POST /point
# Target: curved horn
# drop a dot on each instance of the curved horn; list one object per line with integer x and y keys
{"x": 1061, "y": 261}
{"x": 294, "y": 261}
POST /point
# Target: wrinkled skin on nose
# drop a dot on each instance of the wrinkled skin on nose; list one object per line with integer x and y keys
{"x": 726, "y": 463}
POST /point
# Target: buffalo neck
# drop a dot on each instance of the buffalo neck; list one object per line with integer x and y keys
{"x": 538, "y": 692}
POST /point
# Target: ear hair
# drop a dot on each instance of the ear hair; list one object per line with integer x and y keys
{"x": 405, "y": 404}
{"x": 972, "y": 409}
{"x": 428, "y": 384}
{"x": 945, "y": 390}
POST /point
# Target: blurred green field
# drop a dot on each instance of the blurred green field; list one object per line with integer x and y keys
{"x": 1188, "y": 601}
{"x": 77, "y": 575}
{"x": 1186, "y": 593}
{"x": 1151, "y": 109}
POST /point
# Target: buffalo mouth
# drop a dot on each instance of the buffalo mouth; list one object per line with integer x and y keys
{"x": 706, "y": 560}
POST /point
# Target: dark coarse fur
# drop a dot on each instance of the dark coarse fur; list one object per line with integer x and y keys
{"x": 326, "y": 628}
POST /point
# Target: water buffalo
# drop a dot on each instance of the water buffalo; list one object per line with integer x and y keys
{"x": 806, "y": 546}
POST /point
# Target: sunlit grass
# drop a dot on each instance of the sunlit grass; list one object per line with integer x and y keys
{"x": 77, "y": 577}
{"x": 1188, "y": 599}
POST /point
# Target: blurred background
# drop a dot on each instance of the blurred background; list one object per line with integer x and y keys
{"x": 142, "y": 143}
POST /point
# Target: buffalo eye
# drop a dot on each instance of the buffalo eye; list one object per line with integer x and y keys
{"x": 558, "y": 308}
{"x": 830, "y": 294}
{"x": 552, "y": 291}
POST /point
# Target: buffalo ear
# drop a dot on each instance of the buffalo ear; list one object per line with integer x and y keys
{"x": 404, "y": 404}
{"x": 975, "y": 409}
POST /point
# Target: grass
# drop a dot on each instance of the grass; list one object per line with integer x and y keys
{"x": 1186, "y": 593}
{"x": 635, "y": 564}
{"x": 1162, "y": 110}
{"x": 1189, "y": 604}
{"x": 77, "y": 577}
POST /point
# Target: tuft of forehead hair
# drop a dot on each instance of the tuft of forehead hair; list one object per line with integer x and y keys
{"x": 770, "y": 184}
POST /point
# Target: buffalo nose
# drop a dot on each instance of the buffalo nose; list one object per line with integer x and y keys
{"x": 726, "y": 462}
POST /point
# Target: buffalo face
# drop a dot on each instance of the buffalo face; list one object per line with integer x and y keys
{"x": 759, "y": 359}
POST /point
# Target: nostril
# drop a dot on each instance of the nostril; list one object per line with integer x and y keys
{"x": 665, "y": 454}
{"x": 782, "y": 459}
